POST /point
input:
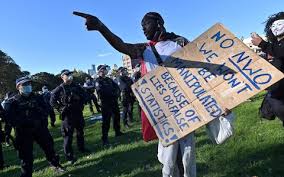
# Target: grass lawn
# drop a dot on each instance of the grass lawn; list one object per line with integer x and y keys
{"x": 256, "y": 149}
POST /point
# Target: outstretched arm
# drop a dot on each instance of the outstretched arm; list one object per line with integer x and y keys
{"x": 93, "y": 23}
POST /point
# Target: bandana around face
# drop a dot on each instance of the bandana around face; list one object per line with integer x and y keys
{"x": 277, "y": 27}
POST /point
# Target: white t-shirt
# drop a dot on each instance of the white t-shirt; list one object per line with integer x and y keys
{"x": 164, "y": 48}
{"x": 167, "y": 155}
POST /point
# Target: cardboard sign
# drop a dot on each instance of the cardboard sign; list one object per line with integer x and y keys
{"x": 214, "y": 72}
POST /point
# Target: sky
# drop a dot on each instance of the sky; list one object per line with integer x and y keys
{"x": 44, "y": 36}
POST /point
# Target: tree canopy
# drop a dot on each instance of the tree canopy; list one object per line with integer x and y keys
{"x": 9, "y": 72}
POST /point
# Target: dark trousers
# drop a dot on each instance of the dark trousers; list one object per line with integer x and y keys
{"x": 24, "y": 142}
{"x": 91, "y": 106}
{"x": 69, "y": 124}
{"x": 127, "y": 113}
{"x": 52, "y": 115}
{"x": 8, "y": 130}
{"x": 110, "y": 109}
{"x": 93, "y": 99}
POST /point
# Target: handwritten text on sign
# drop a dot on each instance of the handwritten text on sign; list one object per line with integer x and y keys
{"x": 214, "y": 72}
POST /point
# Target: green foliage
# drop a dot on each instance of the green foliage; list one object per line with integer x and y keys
{"x": 79, "y": 76}
{"x": 9, "y": 72}
{"x": 52, "y": 81}
{"x": 113, "y": 73}
{"x": 44, "y": 78}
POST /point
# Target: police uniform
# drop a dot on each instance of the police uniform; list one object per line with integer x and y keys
{"x": 2, "y": 138}
{"x": 127, "y": 97}
{"x": 90, "y": 89}
{"x": 69, "y": 100}
{"x": 136, "y": 76}
{"x": 5, "y": 104}
{"x": 108, "y": 93}
{"x": 27, "y": 114}
{"x": 46, "y": 96}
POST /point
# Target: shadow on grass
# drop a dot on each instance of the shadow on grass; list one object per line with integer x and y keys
{"x": 121, "y": 162}
{"x": 10, "y": 172}
{"x": 264, "y": 162}
{"x": 152, "y": 173}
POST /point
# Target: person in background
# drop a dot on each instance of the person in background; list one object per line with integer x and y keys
{"x": 27, "y": 114}
{"x": 127, "y": 96}
{"x": 7, "y": 128}
{"x": 69, "y": 99}
{"x": 108, "y": 93}
{"x": 89, "y": 86}
{"x": 136, "y": 76}
{"x": 273, "y": 103}
{"x": 46, "y": 96}
{"x": 137, "y": 73}
{"x": 2, "y": 138}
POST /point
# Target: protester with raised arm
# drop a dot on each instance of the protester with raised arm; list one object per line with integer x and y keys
{"x": 178, "y": 158}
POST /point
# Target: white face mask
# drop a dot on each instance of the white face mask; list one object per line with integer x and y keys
{"x": 277, "y": 27}
{"x": 26, "y": 90}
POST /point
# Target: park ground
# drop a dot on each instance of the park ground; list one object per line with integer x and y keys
{"x": 256, "y": 149}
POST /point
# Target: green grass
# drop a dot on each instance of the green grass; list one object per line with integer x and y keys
{"x": 256, "y": 149}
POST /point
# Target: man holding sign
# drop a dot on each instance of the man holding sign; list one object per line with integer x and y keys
{"x": 178, "y": 158}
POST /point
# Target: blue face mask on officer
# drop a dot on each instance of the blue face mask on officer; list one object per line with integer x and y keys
{"x": 25, "y": 89}
{"x": 24, "y": 86}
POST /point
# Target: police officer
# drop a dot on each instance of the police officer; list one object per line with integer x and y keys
{"x": 46, "y": 96}
{"x": 108, "y": 93}
{"x": 136, "y": 76}
{"x": 27, "y": 114}
{"x": 69, "y": 99}
{"x": 127, "y": 97}
{"x": 7, "y": 128}
{"x": 89, "y": 86}
{"x": 137, "y": 73}
{"x": 2, "y": 138}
